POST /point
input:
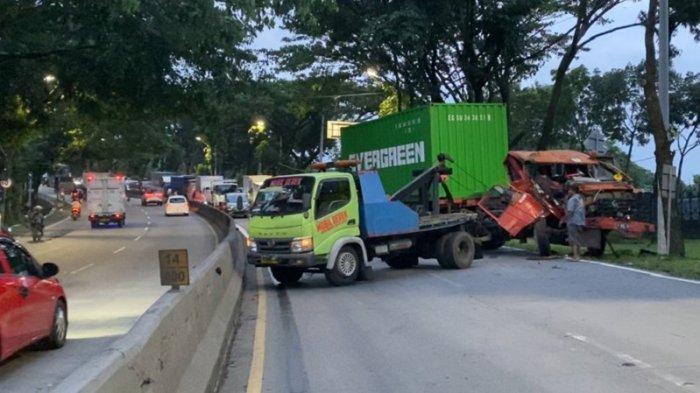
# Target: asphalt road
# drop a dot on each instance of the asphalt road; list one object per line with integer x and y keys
{"x": 111, "y": 277}
{"x": 507, "y": 324}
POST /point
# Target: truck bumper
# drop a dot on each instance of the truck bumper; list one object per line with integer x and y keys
{"x": 301, "y": 260}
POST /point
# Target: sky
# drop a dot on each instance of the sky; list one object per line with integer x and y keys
{"x": 606, "y": 53}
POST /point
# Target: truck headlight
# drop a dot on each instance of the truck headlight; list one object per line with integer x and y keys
{"x": 302, "y": 244}
{"x": 252, "y": 245}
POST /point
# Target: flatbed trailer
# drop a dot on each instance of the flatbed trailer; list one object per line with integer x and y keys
{"x": 336, "y": 222}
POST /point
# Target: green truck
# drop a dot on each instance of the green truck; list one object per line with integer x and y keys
{"x": 336, "y": 222}
{"x": 401, "y": 145}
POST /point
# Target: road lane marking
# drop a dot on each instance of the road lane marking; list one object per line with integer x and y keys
{"x": 257, "y": 364}
{"x": 629, "y": 360}
{"x": 82, "y": 268}
{"x": 631, "y": 269}
{"x": 145, "y": 229}
{"x": 120, "y": 249}
{"x": 138, "y": 238}
{"x": 648, "y": 273}
{"x": 57, "y": 222}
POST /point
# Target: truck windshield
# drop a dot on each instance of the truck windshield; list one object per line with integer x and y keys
{"x": 284, "y": 195}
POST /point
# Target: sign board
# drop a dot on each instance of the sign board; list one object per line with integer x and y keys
{"x": 174, "y": 267}
{"x": 668, "y": 181}
{"x": 596, "y": 141}
{"x": 334, "y": 127}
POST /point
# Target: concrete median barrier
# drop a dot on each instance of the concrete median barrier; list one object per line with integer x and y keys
{"x": 178, "y": 343}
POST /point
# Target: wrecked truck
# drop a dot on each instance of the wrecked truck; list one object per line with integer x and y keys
{"x": 533, "y": 205}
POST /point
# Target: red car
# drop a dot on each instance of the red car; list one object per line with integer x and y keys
{"x": 151, "y": 196}
{"x": 32, "y": 302}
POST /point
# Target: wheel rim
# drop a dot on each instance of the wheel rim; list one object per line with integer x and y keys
{"x": 60, "y": 324}
{"x": 347, "y": 264}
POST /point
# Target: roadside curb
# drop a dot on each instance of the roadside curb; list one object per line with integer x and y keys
{"x": 179, "y": 343}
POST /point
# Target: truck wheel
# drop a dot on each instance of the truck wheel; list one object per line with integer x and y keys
{"x": 286, "y": 276}
{"x": 440, "y": 251}
{"x": 345, "y": 269}
{"x": 120, "y": 224}
{"x": 93, "y": 224}
{"x": 57, "y": 338}
{"x": 599, "y": 251}
{"x": 459, "y": 250}
{"x": 541, "y": 233}
{"x": 402, "y": 261}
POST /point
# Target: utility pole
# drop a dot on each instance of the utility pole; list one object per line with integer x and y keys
{"x": 323, "y": 137}
{"x": 663, "y": 227}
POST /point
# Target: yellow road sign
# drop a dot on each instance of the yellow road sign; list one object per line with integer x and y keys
{"x": 174, "y": 267}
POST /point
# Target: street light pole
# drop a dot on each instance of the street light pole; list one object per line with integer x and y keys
{"x": 663, "y": 232}
{"x": 323, "y": 137}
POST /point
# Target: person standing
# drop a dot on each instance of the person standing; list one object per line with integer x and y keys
{"x": 575, "y": 219}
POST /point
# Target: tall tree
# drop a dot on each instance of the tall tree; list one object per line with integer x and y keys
{"x": 662, "y": 140}
{"x": 587, "y": 13}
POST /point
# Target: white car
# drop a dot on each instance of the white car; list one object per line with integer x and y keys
{"x": 177, "y": 206}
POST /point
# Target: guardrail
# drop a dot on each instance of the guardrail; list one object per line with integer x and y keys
{"x": 180, "y": 341}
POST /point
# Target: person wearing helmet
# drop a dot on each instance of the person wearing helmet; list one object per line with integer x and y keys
{"x": 36, "y": 219}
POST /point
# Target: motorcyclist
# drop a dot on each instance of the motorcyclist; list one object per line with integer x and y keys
{"x": 76, "y": 194}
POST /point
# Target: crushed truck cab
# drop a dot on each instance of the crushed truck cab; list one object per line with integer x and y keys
{"x": 336, "y": 222}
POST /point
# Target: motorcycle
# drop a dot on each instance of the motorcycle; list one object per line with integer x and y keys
{"x": 75, "y": 212}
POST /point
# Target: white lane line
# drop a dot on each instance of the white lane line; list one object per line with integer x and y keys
{"x": 76, "y": 271}
{"x": 629, "y": 360}
{"x": 631, "y": 269}
{"x": 648, "y": 273}
{"x": 120, "y": 249}
{"x": 145, "y": 229}
{"x": 138, "y": 238}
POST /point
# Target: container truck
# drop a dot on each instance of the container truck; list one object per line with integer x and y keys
{"x": 400, "y": 145}
{"x": 336, "y": 222}
{"x": 106, "y": 199}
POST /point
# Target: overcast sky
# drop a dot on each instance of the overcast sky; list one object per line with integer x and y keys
{"x": 608, "y": 52}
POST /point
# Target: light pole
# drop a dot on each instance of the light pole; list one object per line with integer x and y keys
{"x": 208, "y": 150}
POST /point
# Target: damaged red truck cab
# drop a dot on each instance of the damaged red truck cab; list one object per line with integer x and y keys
{"x": 534, "y": 203}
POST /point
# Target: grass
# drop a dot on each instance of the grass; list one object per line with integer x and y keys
{"x": 628, "y": 254}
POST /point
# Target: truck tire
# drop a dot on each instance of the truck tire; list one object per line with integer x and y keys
{"x": 402, "y": 261}
{"x": 346, "y": 268}
{"x": 440, "y": 251}
{"x": 541, "y": 234}
{"x": 459, "y": 250}
{"x": 599, "y": 251}
{"x": 286, "y": 276}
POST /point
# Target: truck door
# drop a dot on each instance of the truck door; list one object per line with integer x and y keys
{"x": 336, "y": 213}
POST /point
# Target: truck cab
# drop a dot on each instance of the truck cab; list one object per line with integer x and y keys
{"x": 308, "y": 222}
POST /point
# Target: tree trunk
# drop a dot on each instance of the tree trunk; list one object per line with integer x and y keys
{"x": 629, "y": 151}
{"x": 548, "y": 123}
{"x": 662, "y": 143}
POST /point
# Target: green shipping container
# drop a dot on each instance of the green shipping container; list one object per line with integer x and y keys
{"x": 474, "y": 135}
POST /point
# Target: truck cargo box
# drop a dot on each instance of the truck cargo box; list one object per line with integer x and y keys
{"x": 474, "y": 135}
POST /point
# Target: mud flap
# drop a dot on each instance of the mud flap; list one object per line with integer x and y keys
{"x": 366, "y": 272}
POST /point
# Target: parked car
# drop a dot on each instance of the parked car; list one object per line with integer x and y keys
{"x": 152, "y": 196}
{"x": 33, "y": 304}
{"x": 177, "y": 206}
